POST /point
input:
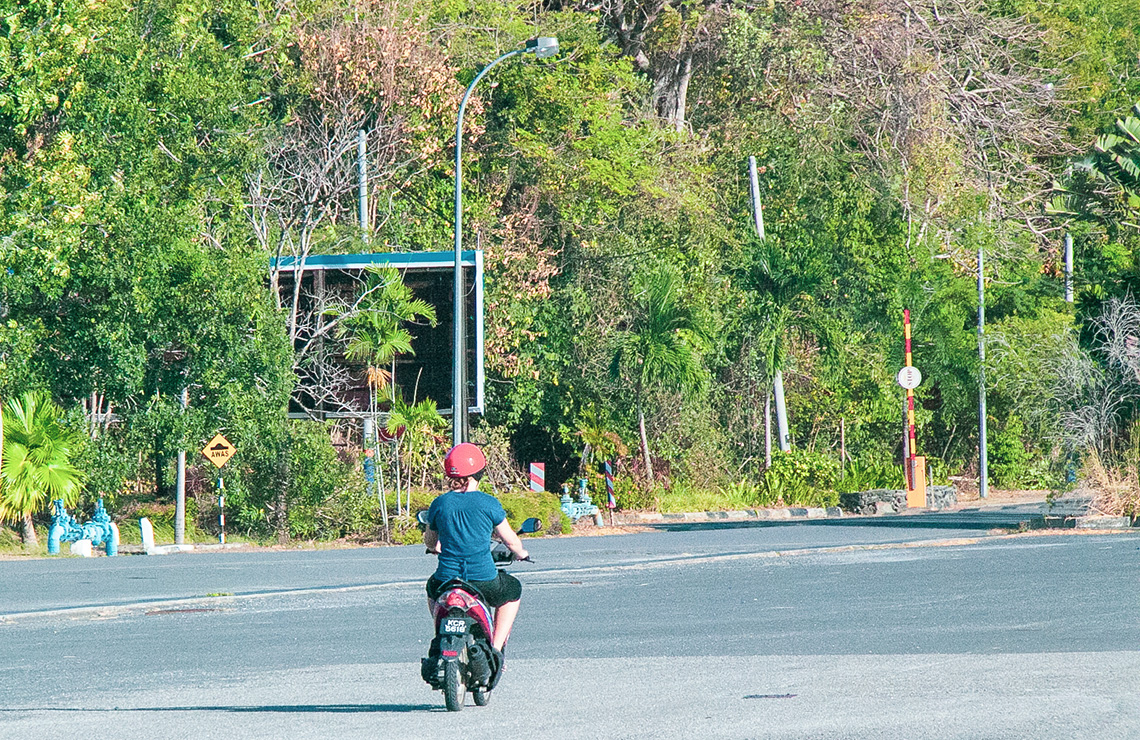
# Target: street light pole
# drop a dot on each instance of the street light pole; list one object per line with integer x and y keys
{"x": 983, "y": 452}
{"x": 542, "y": 47}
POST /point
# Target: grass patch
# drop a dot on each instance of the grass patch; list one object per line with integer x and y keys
{"x": 10, "y": 541}
{"x": 162, "y": 521}
{"x": 682, "y": 499}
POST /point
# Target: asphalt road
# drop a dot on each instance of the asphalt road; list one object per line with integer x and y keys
{"x": 813, "y": 630}
{"x": 70, "y": 583}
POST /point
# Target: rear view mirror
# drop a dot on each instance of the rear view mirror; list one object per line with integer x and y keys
{"x": 421, "y": 516}
{"x": 530, "y": 526}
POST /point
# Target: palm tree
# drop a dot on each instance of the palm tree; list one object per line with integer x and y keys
{"x": 598, "y": 439}
{"x": 663, "y": 344}
{"x": 1105, "y": 185}
{"x": 418, "y": 430}
{"x": 37, "y": 454}
{"x": 377, "y": 334}
{"x": 780, "y": 288}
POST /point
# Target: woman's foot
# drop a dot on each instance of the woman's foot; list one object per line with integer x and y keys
{"x": 497, "y": 661}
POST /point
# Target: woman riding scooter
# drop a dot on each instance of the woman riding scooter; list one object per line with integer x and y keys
{"x": 459, "y": 527}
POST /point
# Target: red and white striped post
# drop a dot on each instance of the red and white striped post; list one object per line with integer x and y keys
{"x": 221, "y": 509}
{"x": 537, "y": 476}
{"x": 909, "y": 405}
{"x": 611, "y": 500}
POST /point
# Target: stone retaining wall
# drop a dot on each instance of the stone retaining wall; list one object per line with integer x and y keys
{"x": 864, "y": 502}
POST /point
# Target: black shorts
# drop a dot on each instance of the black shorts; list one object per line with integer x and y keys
{"x": 503, "y": 589}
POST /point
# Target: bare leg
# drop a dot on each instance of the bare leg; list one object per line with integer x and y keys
{"x": 504, "y": 619}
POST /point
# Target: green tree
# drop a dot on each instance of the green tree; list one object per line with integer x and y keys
{"x": 37, "y": 460}
{"x": 663, "y": 345}
{"x": 129, "y": 258}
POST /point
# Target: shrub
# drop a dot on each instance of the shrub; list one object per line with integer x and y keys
{"x": 522, "y": 504}
{"x": 316, "y": 475}
{"x": 404, "y": 530}
{"x": 631, "y": 496}
{"x": 861, "y": 475}
{"x": 683, "y": 497}
{"x": 627, "y": 493}
{"x": 1008, "y": 458}
{"x": 800, "y": 477}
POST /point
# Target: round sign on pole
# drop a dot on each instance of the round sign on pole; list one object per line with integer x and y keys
{"x": 909, "y": 377}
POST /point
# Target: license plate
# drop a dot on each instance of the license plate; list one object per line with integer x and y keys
{"x": 455, "y": 626}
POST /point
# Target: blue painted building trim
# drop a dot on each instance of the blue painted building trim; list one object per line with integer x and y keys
{"x": 399, "y": 260}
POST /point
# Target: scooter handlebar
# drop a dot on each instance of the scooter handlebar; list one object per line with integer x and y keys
{"x": 499, "y": 555}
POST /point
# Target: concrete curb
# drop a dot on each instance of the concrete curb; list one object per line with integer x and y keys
{"x": 742, "y": 515}
{"x": 1090, "y": 521}
{"x": 176, "y": 549}
{"x": 1031, "y": 520}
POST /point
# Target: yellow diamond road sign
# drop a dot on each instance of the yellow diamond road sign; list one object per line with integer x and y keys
{"x": 219, "y": 450}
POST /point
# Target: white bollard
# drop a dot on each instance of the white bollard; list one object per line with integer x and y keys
{"x": 82, "y": 548}
{"x": 146, "y": 529}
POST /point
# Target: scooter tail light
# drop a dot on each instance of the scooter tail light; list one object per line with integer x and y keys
{"x": 459, "y": 599}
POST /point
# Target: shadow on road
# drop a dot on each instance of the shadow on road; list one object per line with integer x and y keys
{"x": 269, "y": 708}
{"x": 976, "y": 519}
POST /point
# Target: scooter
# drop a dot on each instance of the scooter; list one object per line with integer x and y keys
{"x": 460, "y": 658}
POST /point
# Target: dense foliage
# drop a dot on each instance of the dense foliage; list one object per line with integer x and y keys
{"x": 155, "y": 156}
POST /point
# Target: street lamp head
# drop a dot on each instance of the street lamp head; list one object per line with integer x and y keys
{"x": 543, "y": 46}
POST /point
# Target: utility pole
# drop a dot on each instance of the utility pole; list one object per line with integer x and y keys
{"x": 983, "y": 455}
{"x": 777, "y": 374}
{"x": 362, "y": 180}
{"x": 767, "y": 430}
{"x": 781, "y": 412}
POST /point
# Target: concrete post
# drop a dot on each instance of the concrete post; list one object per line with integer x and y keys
{"x": 1068, "y": 268}
{"x": 180, "y": 485}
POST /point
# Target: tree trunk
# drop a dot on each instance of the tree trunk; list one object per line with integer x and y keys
{"x": 160, "y": 488}
{"x": 671, "y": 89}
{"x": 644, "y": 446}
{"x": 281, "y": 505}
{"x": 584, "y": 465}
{"x": 30, "y": 540}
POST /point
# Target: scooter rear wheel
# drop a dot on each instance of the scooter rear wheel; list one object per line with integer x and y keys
{"x": 482, "y": 697}
{"x": 454, "y": 688}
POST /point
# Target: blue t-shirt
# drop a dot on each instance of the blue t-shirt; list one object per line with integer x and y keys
{"x": 464, "y": 521}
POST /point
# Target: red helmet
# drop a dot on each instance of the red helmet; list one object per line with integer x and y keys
{"x": 463, "y": 461}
